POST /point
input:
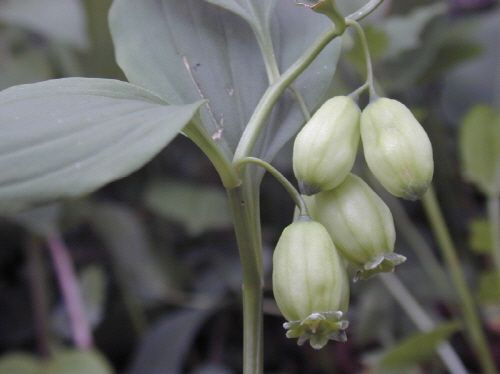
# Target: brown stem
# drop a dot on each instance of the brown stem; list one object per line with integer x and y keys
{"x": 70, "y": 289}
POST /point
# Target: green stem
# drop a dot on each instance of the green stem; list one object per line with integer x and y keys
{"x": 494, "y": 218}
{"x": 418, "y": 244}
{"x": 266, "y": 48}
{"x": 275, "y": 90}
{"x": 302, "y": 103}
{"x": 470, "y": 314}
{"x": 365, "y": 10}
{"x": 247, "y": 227}
{"x": 299, "y": 201}
{"x": 368, "y": 61}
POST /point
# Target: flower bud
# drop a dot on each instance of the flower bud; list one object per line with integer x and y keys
{"x": 361, "y": 226}
{"x": 397, "y": 148}
{"x": 310, "y": 283}
{"x": 325, "y": 149}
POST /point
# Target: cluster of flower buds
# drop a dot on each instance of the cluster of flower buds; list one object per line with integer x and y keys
{"x": 309, "y": 277}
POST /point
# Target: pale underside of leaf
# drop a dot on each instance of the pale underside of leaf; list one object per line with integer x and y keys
{"x": 69, "y": 137}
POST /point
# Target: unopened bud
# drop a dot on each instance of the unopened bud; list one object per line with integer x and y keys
{"x": 397, "y": 148}
{"x": 310, "y": 283}
{"x": 325, "y": 149}
{"x": 361, "y": 226}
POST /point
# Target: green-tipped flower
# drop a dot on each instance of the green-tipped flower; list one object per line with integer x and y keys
{"x": 325, "y": 149}
{"x": 361, "y": 226}
{"x": 310, "y": 284}
{"x": 397, "y": 148}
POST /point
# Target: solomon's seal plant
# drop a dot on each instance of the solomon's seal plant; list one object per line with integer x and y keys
{"x": 94, "y": 131}
{"x": 310, "y": 283}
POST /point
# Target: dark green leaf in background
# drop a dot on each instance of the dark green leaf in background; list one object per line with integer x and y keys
{"x": 479, "y": 146}
{"x": 415, "y": 349}
{"x": 69, "y": 137}
{"x": 198, "y": 208}
{"x": 190, "y": 49}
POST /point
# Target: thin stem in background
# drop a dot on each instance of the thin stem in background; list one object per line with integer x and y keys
{"x": 493, "y": 203}
{"x": 40, "y": 296}
{"x": 419, "y": 245}
{"x": 70, "y": 290}
{"x": 418, "y": 315}
{"x": 470, "y": 314}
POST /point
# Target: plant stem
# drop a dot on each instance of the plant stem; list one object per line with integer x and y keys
{"x": 245, "y": 210}
{"x": 418, "y": 315}
{"x": 275, "y": 90}
{"x": 434, "y": 269}
{"x": 70, "y": 289}
{"x": 494, "y": 219}
{"x": 365, "y": 10}
{"x": 368, "y": 63}
{"x": 299, "y": 201}
{"x": 470, "y": 314}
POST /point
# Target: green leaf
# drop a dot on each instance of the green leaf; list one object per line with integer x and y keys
{"x": 77, "y": 362}
{"x": 62, "y": 362}
{"x": 19, "y": 363}
{"x": 185, "y": 50}
{"x": 198, "y": 208}
{"x": 479, "y": 145}
{"x": 68, "y": 137}
{"x": 416, "y": 349}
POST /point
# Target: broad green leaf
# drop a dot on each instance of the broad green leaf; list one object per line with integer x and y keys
{"x": 198, "y": 208}
{"x": 19, "y": 363}
{"x": 185, "y": 50}
{"x": 479, "y": 146}
{"x": 77, "y": 362}
{"x": 416, "y": 349}
{"x": 68, "y": 137}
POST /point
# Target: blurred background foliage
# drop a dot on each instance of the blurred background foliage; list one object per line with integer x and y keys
{"x": 155, "y": 252}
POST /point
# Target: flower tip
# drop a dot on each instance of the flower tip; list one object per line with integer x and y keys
{"x": 309, "y": 189}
